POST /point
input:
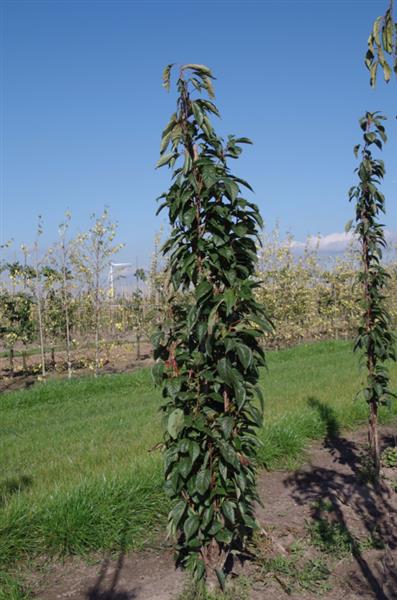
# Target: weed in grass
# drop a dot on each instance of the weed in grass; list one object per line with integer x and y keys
{"x": 372, "y": 542}
{"x": 334, "y": 538}
{"x": 366, "y": 471}
{"x": 389, "y": 457}
{"x": 313, "y": 576}
{"x": 293, "y": 574}
{"x": 236, "y": 589}
{"x": 330, "y": 537}
{"x": 323, "y": 505}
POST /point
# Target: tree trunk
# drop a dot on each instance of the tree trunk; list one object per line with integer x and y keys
{"x": 214, "y": 560}
{"x": 24, "y": 363}
{"x": 138, "y": 347}
{"x": 373, "y": 438}
{"x": 11, "y": 360}
{"x": 53, "y": 358}
{"x": 41, "y": 333}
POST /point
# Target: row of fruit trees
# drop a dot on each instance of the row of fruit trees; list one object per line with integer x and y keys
{"x": 59, "y": 302}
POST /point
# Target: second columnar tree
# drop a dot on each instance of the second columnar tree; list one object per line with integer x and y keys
{"x": 375, "y": 337}
{"x": 382, "y": 46}
{"x": 208, "y": 353}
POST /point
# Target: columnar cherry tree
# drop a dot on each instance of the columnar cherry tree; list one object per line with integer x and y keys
{"x": 208, "y": 352}
{"x": 375, "y": 338}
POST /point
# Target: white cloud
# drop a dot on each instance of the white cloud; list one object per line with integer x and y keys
{"x": 336, "y": 242}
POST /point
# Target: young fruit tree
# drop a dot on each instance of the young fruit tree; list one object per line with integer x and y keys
{"x": 375, "y": 336}
{"x": 92, "y": 263}
{"x": 62, "y": 261}
{"x": 208, "y": 352}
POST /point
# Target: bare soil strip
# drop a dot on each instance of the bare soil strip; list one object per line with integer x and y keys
{"x": 327, "y": 533}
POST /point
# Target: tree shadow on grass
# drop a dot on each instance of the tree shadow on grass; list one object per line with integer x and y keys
{"x": 13, "y": 485}
{"x": 356, "y": 505}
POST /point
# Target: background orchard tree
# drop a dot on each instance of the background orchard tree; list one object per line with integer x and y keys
{"x": 138, "y": 310}
{"x": 53, "y": 314}
{"x": 375, "y": 337}
{"x": 306, "y": 296}
{"x": 36, "y": 283}
{"x": 62, "y": 259}
{"x": 17, "y": 323}
{"x": 208, "y": 353}
{"x": 19, "y": 306}
{"x": 92, "y": 262}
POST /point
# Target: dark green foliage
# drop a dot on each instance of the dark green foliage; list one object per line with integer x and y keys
{"x": 375, "y": 337}
{"x": 382, "y": 41}
{"x": 16, "y": 317}
{"x": 208, "y": 353}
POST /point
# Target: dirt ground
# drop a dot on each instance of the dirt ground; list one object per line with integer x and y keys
{"x": 321, "y": 538}
{"x": 113, "y": 359}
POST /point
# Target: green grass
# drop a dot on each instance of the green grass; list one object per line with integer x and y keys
{"x": 311, "y": 575}
{"x": 77, "y": 474}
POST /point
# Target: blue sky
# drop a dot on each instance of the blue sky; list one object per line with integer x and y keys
{"x": 83, "y": 108}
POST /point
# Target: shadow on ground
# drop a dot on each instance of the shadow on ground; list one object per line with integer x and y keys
{"x": 364, "y": 510}
{"x": 107, "y": 590}
{"x": 13, "y": 485}
{"x": 108, "y": 580}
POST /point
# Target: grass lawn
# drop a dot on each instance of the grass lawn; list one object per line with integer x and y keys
{"x": 77, "y": 474}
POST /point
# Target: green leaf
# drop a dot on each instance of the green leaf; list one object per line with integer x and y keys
{"x": 157, "y": 372}
{"x": 208, "y": 86}
{"x": 203, "y": 481}
{"x": 229, "y": 454}
{"x": 190, "y": 526}
{"x": 198, "y": 113}
{"x": 194, "y": 451}
{"x": 386, "y": 72}
{"x": 176, "y": 421}
{"x": 245, "y": 355}
{"x": 228, "y": 511}
{"x": 200, "y": 68}
{"x": 241, "y": 394}
{"x": 226, "y": 423}
{"x": 230, "y": 300}
{"x": 207, "y": 516}
{"x": 221, "y": 578}
{"x": 164, "y": 160}
{"x": 202, "y": 290}
{"x": 261, "y": 399}
{"x": 225, "y": 371}
{"x": 212, "y": 317}
{"x": 184, "y": 466}
{"x": 166, "y": 76}
{"x": 224, "y": 536}
{"x": 200, "y": 569}
{"x": 191, "y": 318}
{"x": 173, "y": 386}
{"x": 177, "y": 512}
{"x": 232, "y": 189}
{"x": 188, "y": 217}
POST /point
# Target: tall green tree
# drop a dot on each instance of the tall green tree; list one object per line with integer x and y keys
{"x": 382, "y": 46}
{"x": 208, "y": 353}
{"x": 375, "y": 337}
